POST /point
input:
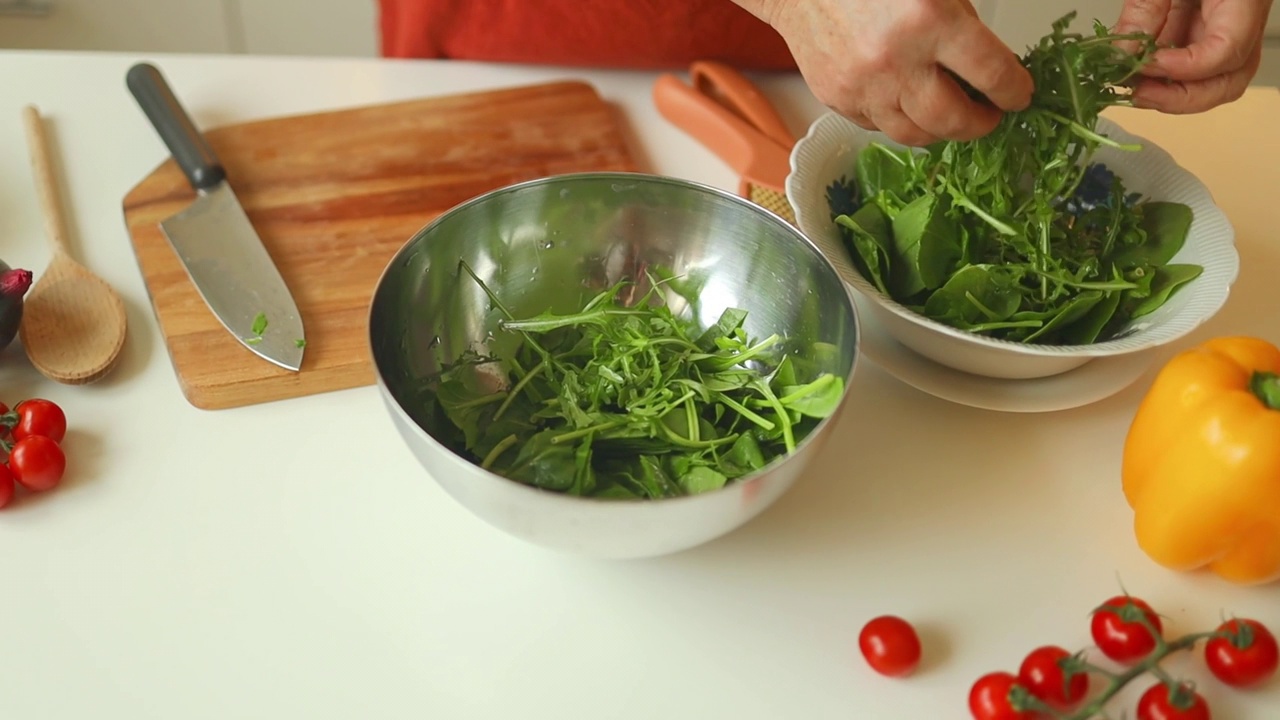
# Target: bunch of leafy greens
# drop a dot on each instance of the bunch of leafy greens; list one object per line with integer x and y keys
{"x": 627, "y": 401}
{"x": 1017, "y": 235}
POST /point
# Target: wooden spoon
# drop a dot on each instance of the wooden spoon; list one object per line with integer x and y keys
{"x": 73, "y": 323}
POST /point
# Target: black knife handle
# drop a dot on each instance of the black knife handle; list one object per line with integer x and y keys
{"x": 188, "y": 146}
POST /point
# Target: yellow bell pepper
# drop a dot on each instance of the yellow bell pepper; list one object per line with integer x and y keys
{"x": 1201, "y": 465}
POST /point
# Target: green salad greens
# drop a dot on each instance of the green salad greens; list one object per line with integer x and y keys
{"x": 627, "y": 401}
{"x": 1019, "y": 235}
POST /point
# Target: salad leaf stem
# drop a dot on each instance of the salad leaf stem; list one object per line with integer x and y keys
{"x": 1090, "y": 135}
{"x": 745, "y": 412}
{"x": 503, "y": 445}
{"x": 515, "y": 389}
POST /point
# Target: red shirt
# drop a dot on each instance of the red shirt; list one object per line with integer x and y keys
{"x": 599, "y": 33}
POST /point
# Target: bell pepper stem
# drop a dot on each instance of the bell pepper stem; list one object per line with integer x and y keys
{"x": 1266, "y": 385}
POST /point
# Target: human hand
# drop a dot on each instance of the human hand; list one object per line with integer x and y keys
{"x": 883, "y": 64}
{"x": 1210, "y": 50}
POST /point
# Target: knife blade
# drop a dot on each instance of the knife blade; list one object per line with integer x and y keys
{"x": 214, "y": 238}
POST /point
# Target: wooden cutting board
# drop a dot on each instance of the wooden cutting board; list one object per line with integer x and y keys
{"x": 334, "y": 195}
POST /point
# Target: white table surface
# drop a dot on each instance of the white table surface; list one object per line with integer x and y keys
{"x": 291, "y": 560}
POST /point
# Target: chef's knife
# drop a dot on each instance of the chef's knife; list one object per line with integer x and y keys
{"x": 215, "y": 240}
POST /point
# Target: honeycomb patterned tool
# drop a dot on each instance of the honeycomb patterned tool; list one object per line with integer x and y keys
{"x": 728, "y": 114}
{"x": 772, "y": 200}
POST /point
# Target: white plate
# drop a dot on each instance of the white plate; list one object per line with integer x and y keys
{"x": 1096, "y": 380}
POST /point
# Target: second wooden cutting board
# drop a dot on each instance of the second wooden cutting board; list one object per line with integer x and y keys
{"x": 333, "y": 196}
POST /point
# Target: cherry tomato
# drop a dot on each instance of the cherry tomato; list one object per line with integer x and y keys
{"x": 989, "y": 698}
{"x": 1118, "y": 631}
{"x": 890, "y": 645}
{"x": 1247, "y": 658}
{"x": 40, "y": 417}
{"x": 1161, "y": 702}
{"x": 37, "y": 462}
{"x": 6, "y": 485}
{"x": 1042, "y": 673}
{"x": 4, "y": 429}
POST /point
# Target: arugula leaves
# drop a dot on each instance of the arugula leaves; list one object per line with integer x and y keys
{"x": 626, "y": 401}
{"x": 1018, "y": 234}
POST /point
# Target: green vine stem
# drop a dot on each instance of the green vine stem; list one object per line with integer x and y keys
{"x": 1022, "y": 700}
{"x": 8, "y": 421}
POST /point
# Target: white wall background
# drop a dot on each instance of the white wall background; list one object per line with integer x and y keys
{"x": 267, "y": 27}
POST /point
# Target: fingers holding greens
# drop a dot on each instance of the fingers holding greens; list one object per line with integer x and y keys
{"x": 1020, "y": 235}
{"x": 976, "y": 54}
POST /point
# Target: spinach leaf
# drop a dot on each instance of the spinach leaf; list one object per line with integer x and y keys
{"x": 1167, "y": 280}
{"x": 702, "y": 479}
{"x": 974, "y": 295}
{"x": 880, "y": 169}
{"x": 730, "y": 320}
{"x": 817, "y": 399}
{"x": 1166, "y": 225}
{"x": 654, "y": 479}
{"x": 544, "y": 463}
{"x": 924, "y": 246}
{"x": 466, "y": 406}
{"x": 615, "y": 489}
{"x": 784, "y": 374}
{"x": 1090, "y": 326}
{"x": 744, "y": 456}
{"x": 870, "y": 237}
{"x": 1064, "y": 315}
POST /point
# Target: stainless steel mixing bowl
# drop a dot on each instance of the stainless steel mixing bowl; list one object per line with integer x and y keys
{"x": 551, "y": 244}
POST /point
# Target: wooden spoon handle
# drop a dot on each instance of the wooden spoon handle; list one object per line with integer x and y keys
{"x": 46, "y": 187}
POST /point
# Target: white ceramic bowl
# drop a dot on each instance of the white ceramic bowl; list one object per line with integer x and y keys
{"x": 828, "y": 151}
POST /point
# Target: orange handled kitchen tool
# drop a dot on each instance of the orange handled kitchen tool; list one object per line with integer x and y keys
{"x": 728, "y": 114}
{"x": 733, "y": 90}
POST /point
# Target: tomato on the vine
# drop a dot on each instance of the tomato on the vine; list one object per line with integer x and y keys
{"x": 990, "y": 698}
{"x": 1118, "y": 630}
{"x": 40, "y": 417}
{"x": 1161, "y": 702}
{"x": 1043, "y": 674}
{"x": 37, "y": 462}
{"x": 1247, "y": 657}
{"x": 6, "y": 485}
{"x": 890, "y": 646}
